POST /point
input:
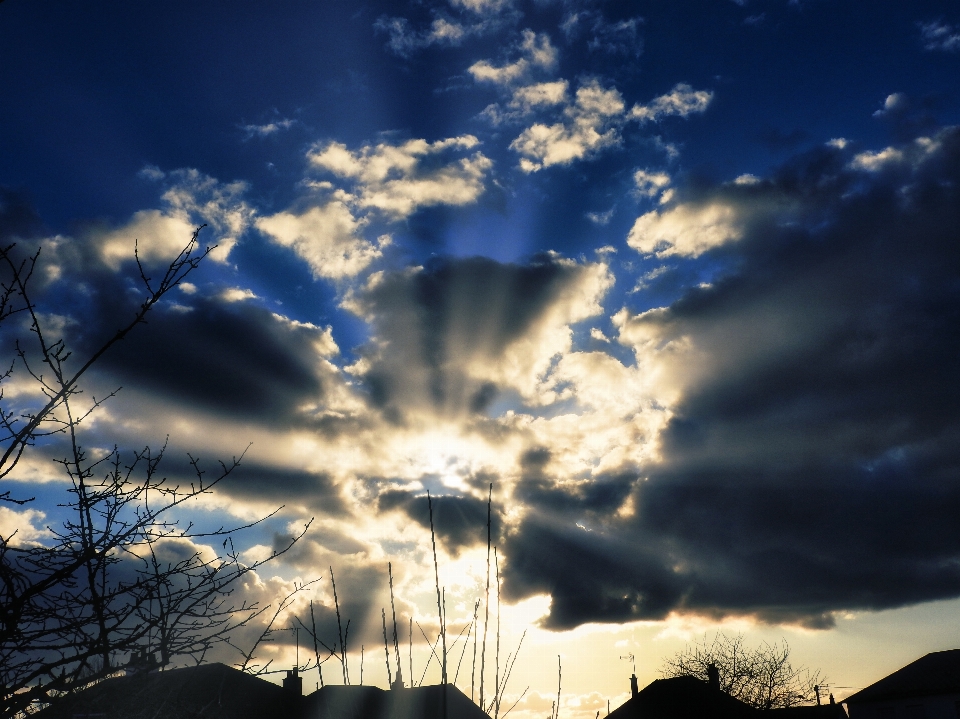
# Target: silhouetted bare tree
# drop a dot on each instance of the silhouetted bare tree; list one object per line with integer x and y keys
{"x": 763, "y": 677}
{"x": 120, "y": 575}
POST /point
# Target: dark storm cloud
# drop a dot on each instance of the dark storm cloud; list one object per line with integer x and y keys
{"x": 813, "y": 463}
{"x": 316, "y": 492}
{"x": 906, "y": 116}
{"x": 538, "y": 487}
{"x": 435, "y": 322}
{"x": 362, "y": 586}
{"x": 235, "y": 358}
{"x": 458, "y": 521}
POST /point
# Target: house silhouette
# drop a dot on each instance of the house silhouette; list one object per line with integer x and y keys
{"x": 690, "y": 698}
{"x": 682, "y": 698}
{"x": 928, "y": 688}
{"x": 216, "y": 691}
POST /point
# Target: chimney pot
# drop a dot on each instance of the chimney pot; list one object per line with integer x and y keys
{"x": 713, "y": 674}
{"x": 293, "y": 683}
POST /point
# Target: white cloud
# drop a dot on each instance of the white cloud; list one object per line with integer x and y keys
{"x": 601, "y": 218}
{"x": 893, "y": 102}
{"x": 394, "y": 180}
{"x": 237, "y": 294}
{"x": 536, "y": 52}
{"x": 937, "y": 35}
{"x": 527, "y": 99}
{"x": 323, "y": 342}
{"x": 650, "y": 183}
{"x": 405, "y": 40}
{"x": 22, "y": 527}
{"x": 876, "y": 161}
{"x": 325, "y": 237}
{"x": 682, "y": 100}
{"x": 685, "y": 230}
{"x": 152, "y": 172}
{"x": 444, "y": 31}
{"x": 191, "y": 199}
{"x": 269, "y": 128}
{"x": 541, "y": 94}
{"x": 645, "y": 279}
{"x": 585, "y": 130}
{"x": 482, "y": 7}
{"x": 156, "y": 235}
{"x": 911, "y": 155}
{"x": 590, "y": 123}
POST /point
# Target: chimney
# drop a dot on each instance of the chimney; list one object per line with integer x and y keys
{"x": 293, "y": 683}
{"x": 713, "y": 674}
{"x": 398, "y": 680}
{"x": 634, "y": 689}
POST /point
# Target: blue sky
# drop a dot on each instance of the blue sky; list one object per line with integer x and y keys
{"x": 680, "y": 278}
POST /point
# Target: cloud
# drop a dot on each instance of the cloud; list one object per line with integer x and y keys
{"x": 807, "y": 462}
{"x": 453, "y": 335}
{"x": 542, "y": 94}
{"x": 265, "y": 130}
{"x": 482, "y": 7}
{"x": 326, "y": 237}
{"x": 22, "y": 527}
{"x": 232, "y": 294}
{"x": 613, "y": 38}
{"x": 913, "y": 154}
{"x": 536, "y": 53}
{"x": 681, "y": 101}
{"x": 227, "y": 357}
{"x": 190, "y": 199}
{"x": 397, "y": 180}
{"x": 585, "y": 130}
{"x": 459, "y": 521}
{"x": 687, "y": 230}
{"x": 938, "y": 35}
{"x": 600, "y": 218}
{"x": 443, "y": 31}
{"x": 649, "y": 184}
{"x": 893, "y": 103}
{"x": 592, "y": 123}
{"x": 526, "y": 100}
{"x": 876, "y": 161}
{"x": 384, "y": 181}
{"x": 314, "y": 492}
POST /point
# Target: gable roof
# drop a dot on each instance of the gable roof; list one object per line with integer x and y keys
{"x": 683, "y": 698}
{"x": 208, "y": 691}
{"x": 933, "y": 674}
{"x": 366, "y": 702}
{"x": 216, "y": 691}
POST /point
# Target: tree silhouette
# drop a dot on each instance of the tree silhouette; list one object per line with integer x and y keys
{"x": 120, "y": 576}
{"x": 762, "y": 677}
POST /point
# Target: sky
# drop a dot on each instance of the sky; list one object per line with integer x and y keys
{"x": 680, "y": 279}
